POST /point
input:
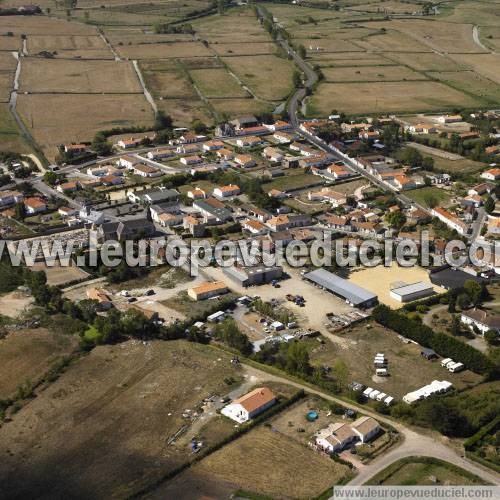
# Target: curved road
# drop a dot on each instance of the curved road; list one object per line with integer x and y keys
{"x": 413, "y": 443}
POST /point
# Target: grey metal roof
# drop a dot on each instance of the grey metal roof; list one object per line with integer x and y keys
{"x": 420, "y": 286}
{"x": 351, "y": 292}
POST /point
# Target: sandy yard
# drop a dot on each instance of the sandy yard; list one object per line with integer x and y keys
{"x": 379, "y": 279}
{"x": 14, "y": 303}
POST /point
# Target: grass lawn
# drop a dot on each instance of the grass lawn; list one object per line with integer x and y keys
{"x": 423, "y": 196}
{"x": 10, "y": 136}
{"x": 292, "y": 181}
{"x": 420, "y": 471}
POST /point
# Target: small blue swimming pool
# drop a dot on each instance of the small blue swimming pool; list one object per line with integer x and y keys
{"x": 312, "y": 415}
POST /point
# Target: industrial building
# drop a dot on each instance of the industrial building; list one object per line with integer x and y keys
{"x": 253, "y": 275}
{"x": 414, "y": 291}
{"x": 351, "y": 293}
{"x": 207, "y": 290}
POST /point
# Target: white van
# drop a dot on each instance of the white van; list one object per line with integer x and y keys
{"x": 382, "y": 372}
{"x": 445, "y": 361}
{"x": 456, "y": 367}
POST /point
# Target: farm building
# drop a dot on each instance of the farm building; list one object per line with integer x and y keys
{"x": 413, "y": 291}
{"x": 250, "y": 405}
{"x": 207, "y": 290}
{"x": 351, "y": 293}
{"x": 253, "y": 275}
{"x": 481, "y": 320}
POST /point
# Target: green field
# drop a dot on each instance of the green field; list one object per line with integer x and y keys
{"x": 424, "y": 471}
{"x": 423, "y": 195}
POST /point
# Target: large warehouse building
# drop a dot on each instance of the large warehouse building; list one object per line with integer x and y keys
{"x": 253, "y": 275}
{"x": 351, "y": 293}
{"x": 413, "y": 291}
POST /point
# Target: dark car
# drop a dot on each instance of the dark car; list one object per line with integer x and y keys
{"x": 149, "y": 292}
{"x": 131, "y": 299}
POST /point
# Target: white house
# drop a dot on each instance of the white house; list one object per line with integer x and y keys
{"x": 493, "y": 174}
{"x": 481, "y": 320}
{"x": 227, "y": 191}
{"x": 335, "y": 437}
{"x": 191, "y": 160}
{"x": 366, "y": 428}
{"x": 250, "y": 405}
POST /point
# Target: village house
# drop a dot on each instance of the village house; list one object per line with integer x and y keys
{"x": 8, "y": 198}
{"x": 369, "y": 135}
{"x": 191, "y": 160}
{"x": 254, "y": 227}
{"x": 213, "y": 211}
{"x": 338, "y": 171}
{"x": 450, "y": 220}
{"x": 196, "y": 194}
{"x": 160, "y": 154}
{"x": 207, "y": 290}
{"x": 226, "y": 191}
{"x": 97, "y": 171}
{"x": 68, "y": 187}
{"x": 339, "y": 222}
{"x": 272, "y": 154}
{"x": 367, "y": 229}
{"x": 445, "y": 119}
{"x": 249, "y": 141}
{"x": 420, "y": 128}
{"x": 494, "y": 226}
{"x": 366, "y": 428}
{"x": 166, "y": 215}
{"x": 213, "y": 145}
{"x": 187, "y": 149}
{"x": 404, "y": 183}
{"x": 132, "y": 142}
{"x": 481, "y": 320}
{"x": 75, "y": 148}
{"x": 244, "y": 122}
{"x": 317, "y": 160}
{"x": 225, "y": 154}
{"x": 492, "y": 150}
{"x": 336, "y": 437}
{"x": 278, "y": 125}
{"x": 278, "y": 223}
{"x": 128, "y": 162}
{"x": 67, "y": 211}
{"x": 34, "y": 205}
{"x": 244, "y": 161}
{"x": 326, "y": 194}
{"x": 205, "y": 169}
{"x": 195, "y": 226}
{"x": 144, "y": 170}
{"x": 112, "y": 180}
{"x": 481, "y": 189}
{"x": 250, "y": 405}
{"x": 493, "y": 174}
{"x": 283, "y": 137}
{"x": 190, "y": 138}
{"x": 276, "y": 193}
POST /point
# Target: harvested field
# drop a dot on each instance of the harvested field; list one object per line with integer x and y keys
{"x": 85, "y": 77}
{"x": 244, "y": 49}
{"x": 79, "y": 54}
{"x": 7, "y": 62}
{"x": 387, "y": 96}
{"x": 237, "y": 107}
{"x": 392, "y": 41}
{"x": 135, "y": 38}
{"x": 6, "y": 84}
{"x": 387, "y": 8}
{"x": 184, "y": 111}
{"x": 37, "y": 43}
{"x": 43, "y": 25}
{"x": 358, "y": 59}
{"x": 292, "y": 182}
{"x": 163, "y": 50}
{"x": 57, "y": 275}
{"x": 326, "y": 45}
{"x": 441, "y": 36}
{"x": 112, "y": 412}
{"x": 10, "y": 136}
{"x": 269, "y": 77}
{"x": 26, "y": 355}
{"x": 217, "y": 82}
{"x": 424, "y": 61}
{"x": 472, "y": 83}
{"x": 262, "y": 462}
{"x": 169, "y": 84}
{"x": 371, "y": 74}
{"x": 57, "y": 119}
{"x": 10, "y": 43}
{"x": 484, "y": 64}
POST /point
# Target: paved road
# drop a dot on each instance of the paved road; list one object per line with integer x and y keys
{"x": 413, "y": 443}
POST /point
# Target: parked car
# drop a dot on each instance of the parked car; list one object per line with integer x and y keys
{"x": 149, "y": 292}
